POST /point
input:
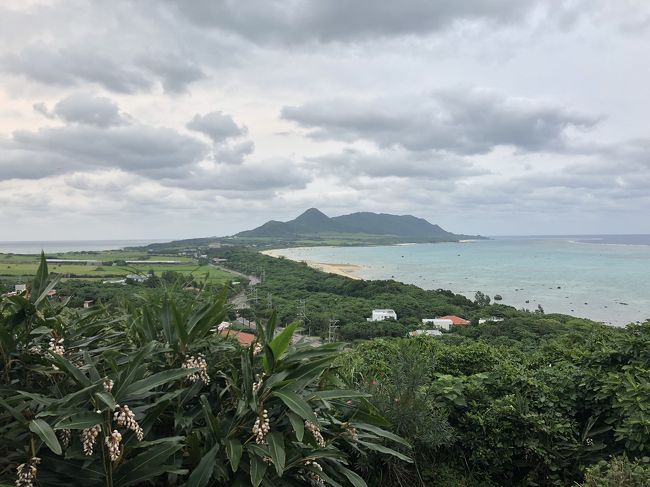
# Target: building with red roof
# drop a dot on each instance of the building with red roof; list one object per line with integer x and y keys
{"x": 244, "y": 339}
{"x": 455, "y": 320}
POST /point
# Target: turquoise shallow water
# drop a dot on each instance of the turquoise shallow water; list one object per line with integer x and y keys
{"x": 601, "y": 281}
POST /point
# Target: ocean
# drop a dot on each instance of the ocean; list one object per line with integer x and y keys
{"x": 58, "y": 246}
{"x": 602, "y": 277}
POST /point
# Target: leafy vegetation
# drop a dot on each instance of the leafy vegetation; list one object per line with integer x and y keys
{"x": 512, "y": 403}
{"x": 150, "y": 395}
{"x": 533, "y": 400}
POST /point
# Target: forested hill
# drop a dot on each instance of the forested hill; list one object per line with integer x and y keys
{"x": 314, "y": 222}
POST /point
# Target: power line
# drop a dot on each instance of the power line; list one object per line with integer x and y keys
{"x": 334, "y": 326}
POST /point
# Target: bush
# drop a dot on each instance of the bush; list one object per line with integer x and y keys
{"x": 150, "y": 395}
{"x": 619, "y": 472}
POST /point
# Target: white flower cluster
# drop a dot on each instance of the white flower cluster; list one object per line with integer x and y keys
{"x": 56, "y": 346}
{"x": 197, "y": 362}
{"x": 257, "y": 349}
{"x": 125, "y": 418}
{"x": 261, "y": 427}
{"x": 27, "y": 472}
{"x": 258, "y": 381}
{"x": 223, "y": 326}
{"x": 351, "y": 431}
{"x": 65, "y": 437}
{"x": 589, "y": 442}
{"x": 315, "y": 431}
{"x": 89, "y": 438}
{"x": 113, "y": 444}
{"x": 108, "y": 384}
{"x": 313, "y": 476}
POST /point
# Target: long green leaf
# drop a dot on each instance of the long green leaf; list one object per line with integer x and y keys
{"x": 79, "y": 421}
{"x": 234, "y": 451}
{"x": 107, "y": 398}
{"x": 339, "y": 394}
{"x": 156, "y": 380}
{"x": 149, "y": 464}
{"x": 45, "y": 433}
{"x": 14, "y": 412}
{"x": 354, "y": 479}
{"x": 132, "y": 371}
{"x": 384, "y": 449}
{"x": 298, "y": 425}
{"x": 258, "y": 469}
{"x": 381, "y": 432}
{"x": 297, "y": 404}
{"x": 40, "y": 279}
{"x": 202, "y": 474}
{"x": 74, "y": 372}
{"x": 276, "y": 451}
{"x": 280, "y": 343}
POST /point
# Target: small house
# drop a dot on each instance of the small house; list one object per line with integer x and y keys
{"x": 438, "y": 323}
{"x": 455, "y": 320}
{"x": 383, "y": 314}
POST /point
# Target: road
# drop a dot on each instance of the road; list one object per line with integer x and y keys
{"x": 239, "y": 301}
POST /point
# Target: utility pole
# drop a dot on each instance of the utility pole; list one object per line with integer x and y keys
{"x": 269, "y": 301}
{"x": 302, "y": 313}
{"x": 334, "y": 325}
{"x": 252, "y": 295}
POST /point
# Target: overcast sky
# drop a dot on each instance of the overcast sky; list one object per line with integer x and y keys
{"x": 174, "y": 118}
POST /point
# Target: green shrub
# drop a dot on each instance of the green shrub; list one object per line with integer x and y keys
{"x": 150, "y": 395}
{"x": 619, "y": 472}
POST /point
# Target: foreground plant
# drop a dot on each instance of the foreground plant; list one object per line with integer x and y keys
{"x": 152, "y": 395}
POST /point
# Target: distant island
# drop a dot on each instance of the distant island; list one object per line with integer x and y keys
{"x": 315, "y": 228}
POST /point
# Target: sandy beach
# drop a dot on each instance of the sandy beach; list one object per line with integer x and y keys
{"x": 346, "y": 270}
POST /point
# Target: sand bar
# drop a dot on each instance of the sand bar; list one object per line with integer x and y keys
{"x": 346, "y": 270}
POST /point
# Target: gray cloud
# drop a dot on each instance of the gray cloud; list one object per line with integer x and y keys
{"x": 216, "y": 125}
{"x": 396, "y": 162}
{"x": 85, "y": 109}
{"x": 73, "y": 67}
{"x": 296, "y": 21}
{"x": 176, "y": 72}
{"x": 140, "y": 149}
{"x": 233, "y": 153}
{"x": 251, "y": 176}
{"x": 457, "y": 121}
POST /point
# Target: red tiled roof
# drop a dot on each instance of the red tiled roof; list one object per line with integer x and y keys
{"x": 456, "y": 320}
{"x": 244, "y": 339}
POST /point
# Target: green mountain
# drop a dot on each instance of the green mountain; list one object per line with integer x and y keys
{"x": 315, "y": 224}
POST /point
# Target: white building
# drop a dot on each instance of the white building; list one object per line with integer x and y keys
{"x": 489, "y": 320}
{"x": 20, "y": 288}
{"x": 137, "y": 277}
{"x": 429, "y": 333}
{"x": 383, "y": 314}
{"x": 439, "y": 324}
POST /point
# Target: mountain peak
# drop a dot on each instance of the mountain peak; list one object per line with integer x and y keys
{"x": 313, "y": 216}
{"x": 313, "y": 212}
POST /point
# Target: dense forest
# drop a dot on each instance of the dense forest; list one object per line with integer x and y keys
{"x": 145, "y": 390}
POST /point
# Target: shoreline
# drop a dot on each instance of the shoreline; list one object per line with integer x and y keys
{"x": 555, "y": 294}
{"x": 345, "y": 270}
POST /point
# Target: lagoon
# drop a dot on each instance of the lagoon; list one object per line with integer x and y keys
{"x": 605, "y": 278}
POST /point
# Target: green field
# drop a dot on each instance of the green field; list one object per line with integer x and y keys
{"x": 15, "y": 267}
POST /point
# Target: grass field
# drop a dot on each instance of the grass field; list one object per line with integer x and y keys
{"x": 23, "y": 266}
